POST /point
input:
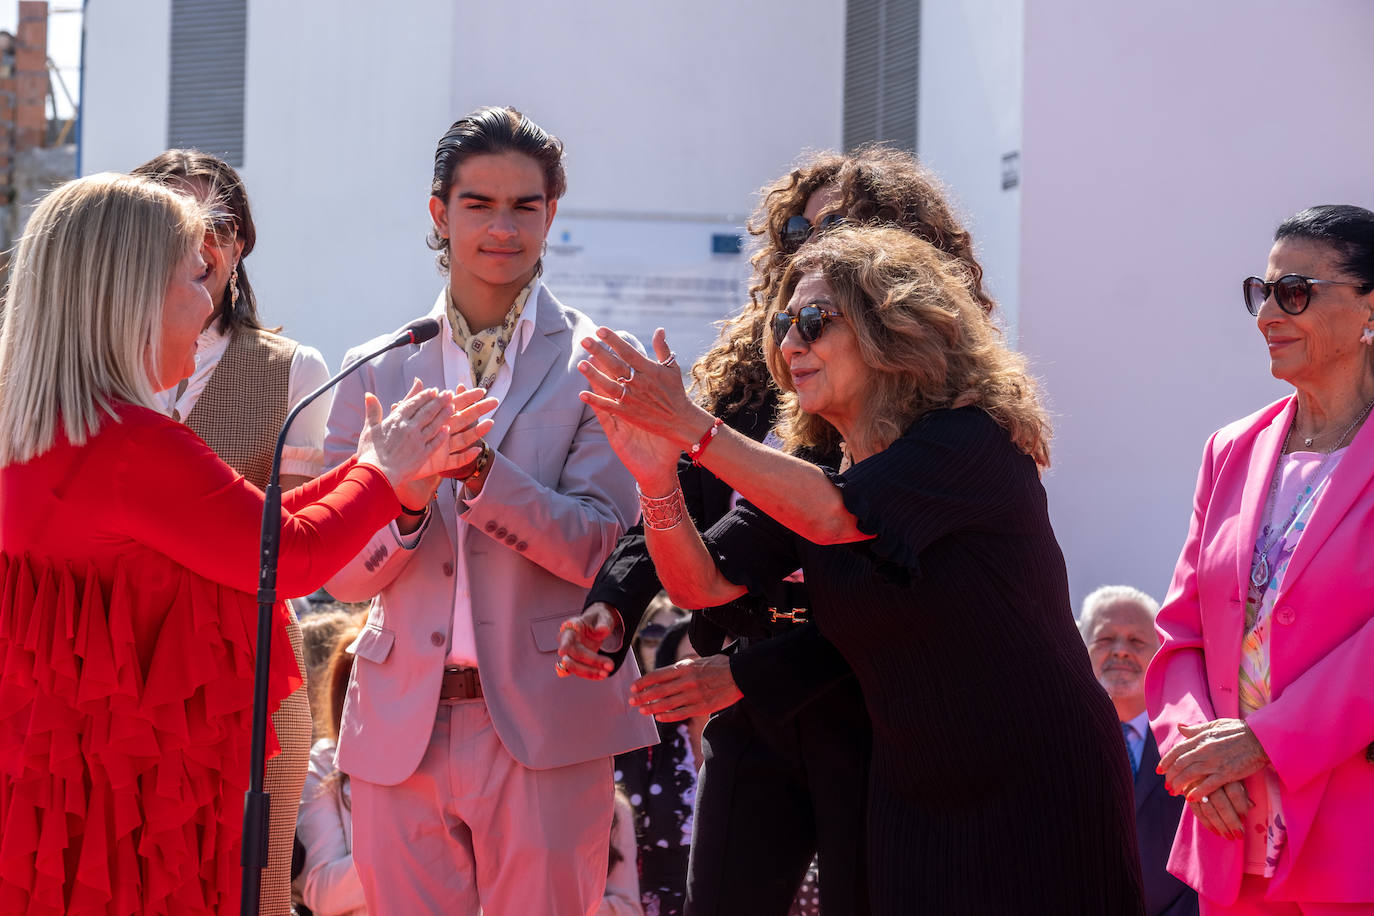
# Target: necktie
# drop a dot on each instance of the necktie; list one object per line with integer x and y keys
{"x": 1127, "y": 732}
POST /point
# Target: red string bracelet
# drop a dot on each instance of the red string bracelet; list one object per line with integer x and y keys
{"x": 695, "y": 451}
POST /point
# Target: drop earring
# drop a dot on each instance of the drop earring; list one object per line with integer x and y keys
{"x": 1367, "y": 337}
{"x": 234, "y": 288}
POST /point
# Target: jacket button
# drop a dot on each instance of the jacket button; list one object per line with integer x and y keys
{"x": 436, "y": 639}
{"x": 1285, "y": 615}
{"x": 511, "y": 539}
{"x": 522, "y": 546}
{"x": 448, "y": 568}
{"x": 500, "y": 534}
{"x": 491, "y": 526}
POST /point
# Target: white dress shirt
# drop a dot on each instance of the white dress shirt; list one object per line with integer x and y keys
{"x": 458, "y": 371}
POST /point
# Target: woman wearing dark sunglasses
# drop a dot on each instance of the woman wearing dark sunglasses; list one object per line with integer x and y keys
{"x": 1261, "y": 695}
{"x": 784, "y": 779}
{"x": 998, "y": 782}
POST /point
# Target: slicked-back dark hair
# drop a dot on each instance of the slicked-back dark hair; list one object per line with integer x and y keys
{"x": 1345, "y": 228}
{"x": 494, "y": 130}
{"x": 226, "y": 189}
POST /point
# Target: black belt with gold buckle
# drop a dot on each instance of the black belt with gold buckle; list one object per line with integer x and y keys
{"x": 460, "y": 683}
{"x": 794, "y": 615}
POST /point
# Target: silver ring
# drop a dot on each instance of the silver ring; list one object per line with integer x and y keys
{"x": 632, "y": 375}
{"x": 670, "y": 361}
{"x": 561, "y": 664}
{"x": 621, "y": 396}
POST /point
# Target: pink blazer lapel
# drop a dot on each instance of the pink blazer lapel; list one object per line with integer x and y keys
{"x": 1347, "y": 483}
{"x": 1259, "y": 478}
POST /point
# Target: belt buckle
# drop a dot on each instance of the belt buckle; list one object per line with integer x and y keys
{"x": 795, "y": 615}
{"x": 468, "y": 679}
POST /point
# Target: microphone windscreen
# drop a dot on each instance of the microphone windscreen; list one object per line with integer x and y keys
{"x": 420, "y": 330}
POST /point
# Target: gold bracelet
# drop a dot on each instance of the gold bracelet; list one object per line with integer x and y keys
{"x": 662, "y": 512}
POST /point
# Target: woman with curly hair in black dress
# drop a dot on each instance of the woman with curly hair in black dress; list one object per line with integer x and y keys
{"x": 787, "y": 743}
{"x": 998, "y": 778}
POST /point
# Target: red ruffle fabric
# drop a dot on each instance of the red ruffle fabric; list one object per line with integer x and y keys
{"x": 124, "y": 738}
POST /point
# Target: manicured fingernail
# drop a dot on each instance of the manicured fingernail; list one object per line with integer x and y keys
{"x": 602, "y": 332}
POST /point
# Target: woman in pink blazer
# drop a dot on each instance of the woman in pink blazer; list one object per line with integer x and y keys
{"x": 1262, "y": 696}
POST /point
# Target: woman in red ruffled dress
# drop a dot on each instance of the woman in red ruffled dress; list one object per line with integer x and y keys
{"x": 127, "y": 628}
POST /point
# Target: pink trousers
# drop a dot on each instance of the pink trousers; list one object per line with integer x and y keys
{"x": 1251, "y": 902}
{"x": 473, "y": 831}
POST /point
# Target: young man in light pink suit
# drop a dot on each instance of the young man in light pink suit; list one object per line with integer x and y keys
{"x": 481, "y": 777}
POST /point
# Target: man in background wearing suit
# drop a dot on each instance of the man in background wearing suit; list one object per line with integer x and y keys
{"x": 1118, "y": 625}
{"x": 481, "y": 778}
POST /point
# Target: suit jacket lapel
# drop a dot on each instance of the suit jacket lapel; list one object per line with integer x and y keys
{"x": 1349, "y": 480}
{"x": 426, "y": 363}
{"x": 532, "y": 365}
{"x": 1259, "y": 477}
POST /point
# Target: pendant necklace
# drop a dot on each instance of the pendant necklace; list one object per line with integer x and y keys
{"x": 1259, "y": 570}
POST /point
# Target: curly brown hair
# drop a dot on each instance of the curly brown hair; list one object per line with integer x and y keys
{"x": 876, "y": 184}
{"x": 928, "y": 342}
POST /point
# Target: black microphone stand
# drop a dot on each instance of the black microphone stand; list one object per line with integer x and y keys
{"x": 256, "y": 802}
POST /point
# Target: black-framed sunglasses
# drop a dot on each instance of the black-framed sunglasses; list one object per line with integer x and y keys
{"x": 798, "y": 229}
{"x": 1293, "y": 292}
{"x": 810, "y": 321}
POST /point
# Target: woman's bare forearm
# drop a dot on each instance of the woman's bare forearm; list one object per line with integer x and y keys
{"x": 686, "y": 568}
{"x": 793, "y": 492}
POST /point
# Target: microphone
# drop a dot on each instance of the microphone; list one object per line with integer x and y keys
{"x": 256, "y": 802}
{"x": 417, "y": 332}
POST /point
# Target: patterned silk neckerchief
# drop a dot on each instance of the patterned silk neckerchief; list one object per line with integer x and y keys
{"x": 486, "y": 349}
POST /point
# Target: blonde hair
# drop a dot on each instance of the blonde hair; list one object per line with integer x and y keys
{"x": 927, "y": 339}
{"x": 83, "y": 312}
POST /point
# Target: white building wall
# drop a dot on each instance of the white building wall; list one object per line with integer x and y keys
{"x": 969, "y": 118}
{"x": 345, "y": 100}
{"x": 673, "y": 117}
{"x": 1163, "y": 142}
{"x": 127, "y": 66}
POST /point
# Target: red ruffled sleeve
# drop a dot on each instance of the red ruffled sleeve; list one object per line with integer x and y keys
{"x": 128, "y": 572}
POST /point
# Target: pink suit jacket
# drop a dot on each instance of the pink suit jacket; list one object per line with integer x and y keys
{"x": 1321, "y": 719}
{"x": 555, "y": 501}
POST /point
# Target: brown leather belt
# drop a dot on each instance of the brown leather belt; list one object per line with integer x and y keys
{"x": 460, "y": 683}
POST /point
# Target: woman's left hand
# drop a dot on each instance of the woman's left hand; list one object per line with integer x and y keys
{"x": 637, "y": 390}
{"x": 692, "y": 687}
{"x": 1210, "y": 756}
